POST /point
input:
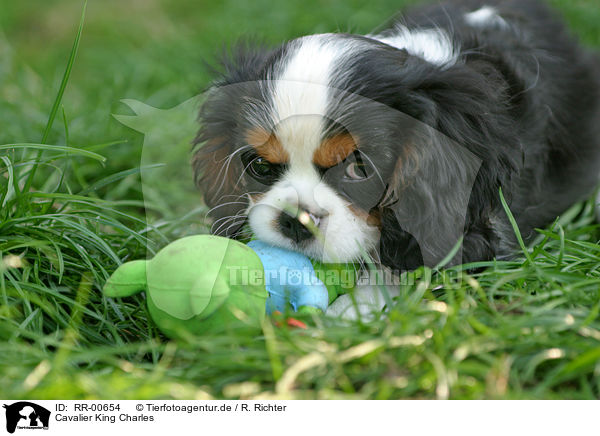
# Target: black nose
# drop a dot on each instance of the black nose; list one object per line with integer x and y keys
{"x": 292, "y": 228}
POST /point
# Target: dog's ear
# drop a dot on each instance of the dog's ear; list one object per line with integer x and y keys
{"x": 462, "y": 149}
{"x": 216, "y": 154}
{"x": 398, "y": 249}
{"x": 216, "y": 165}
{"x": 214, "y": 172}
{"x": 429, "y": 197}
{"x": 471, "y": 105}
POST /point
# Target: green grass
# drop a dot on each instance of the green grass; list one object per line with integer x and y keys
{"x": 72, "y": 208}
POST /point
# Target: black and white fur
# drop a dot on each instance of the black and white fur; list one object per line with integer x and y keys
{"x": 502, "y": 79}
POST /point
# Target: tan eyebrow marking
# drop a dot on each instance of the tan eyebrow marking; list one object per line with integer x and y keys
{"x": 334, "y": 150}
{"x": 267, "y": 145}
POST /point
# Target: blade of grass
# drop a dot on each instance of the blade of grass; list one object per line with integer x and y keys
{"x": 515, "y": 227}
{"x": 59, "y": 96}
{"x": 47, "y": 147}
{"x": 114, "y": 177}
{"x": 10, "y": 187}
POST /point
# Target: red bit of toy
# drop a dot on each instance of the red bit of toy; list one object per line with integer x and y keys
{"x": 293, "y": 322}
{"x": 277, "y": 317}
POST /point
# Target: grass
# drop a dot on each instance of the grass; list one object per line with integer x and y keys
{"x": 73, "y": 207}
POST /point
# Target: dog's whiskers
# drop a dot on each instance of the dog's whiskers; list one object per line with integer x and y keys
{"x": 225, "y": 167}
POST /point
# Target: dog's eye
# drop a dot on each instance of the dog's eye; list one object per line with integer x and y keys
{"x": 356, "y": 170}
{"x": 261, "y": 169}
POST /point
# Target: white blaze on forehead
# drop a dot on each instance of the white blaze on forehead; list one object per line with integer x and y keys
{"x": 301, "y": 87}
{"x": 300, "y": 100}
{"x": 433, "y": 45}
{"x": 301, "y": 92}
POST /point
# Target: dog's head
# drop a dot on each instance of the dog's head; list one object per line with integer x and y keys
{"x": 341, "y": 146}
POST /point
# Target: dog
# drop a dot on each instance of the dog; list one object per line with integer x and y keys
{"x": 396, "y": 146}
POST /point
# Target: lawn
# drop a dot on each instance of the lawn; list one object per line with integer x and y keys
{"x": 73, "y": 207}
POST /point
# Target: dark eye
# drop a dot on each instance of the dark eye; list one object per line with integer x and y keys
{"x": 356, "y": 170}
{"x": 261, "y": 169}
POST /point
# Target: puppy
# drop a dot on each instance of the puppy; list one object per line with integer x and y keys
{"x": 393, "y": 147}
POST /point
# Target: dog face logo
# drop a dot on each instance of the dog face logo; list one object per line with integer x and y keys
{"x": 26, "y": 415}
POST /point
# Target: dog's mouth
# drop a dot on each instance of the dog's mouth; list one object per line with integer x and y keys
{"x": 308, "y": 219}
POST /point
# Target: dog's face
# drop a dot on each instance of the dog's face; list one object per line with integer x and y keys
{"x": 310, "y": 161}
{"x": 309, "y": 143}
{"x": 313, "y": 187}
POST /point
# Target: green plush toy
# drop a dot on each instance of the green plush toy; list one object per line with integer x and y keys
{"x": 209, "y": 283}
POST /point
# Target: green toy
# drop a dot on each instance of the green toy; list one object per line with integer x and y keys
{"x": 209, "y": 283}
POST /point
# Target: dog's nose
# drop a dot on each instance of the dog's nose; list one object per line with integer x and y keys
{"x": 295, "y": 227}
{"x": 292, "y": 228}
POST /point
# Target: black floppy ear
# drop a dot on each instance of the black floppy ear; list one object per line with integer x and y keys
{"x": 429, "y": 199}
{"x": 217, "y": 168}
{"x": 215, "y": 171}
{"x": 398, "y": 249}
{"x": 216, "y": 154}
{"x": 462, "y": 149}
{"x": 470, "y": 105}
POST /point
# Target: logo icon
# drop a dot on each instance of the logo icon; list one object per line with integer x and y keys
{"x": 26, "y": 415}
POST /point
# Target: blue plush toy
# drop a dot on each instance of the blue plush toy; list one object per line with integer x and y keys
{"x": 290, "y": 279}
